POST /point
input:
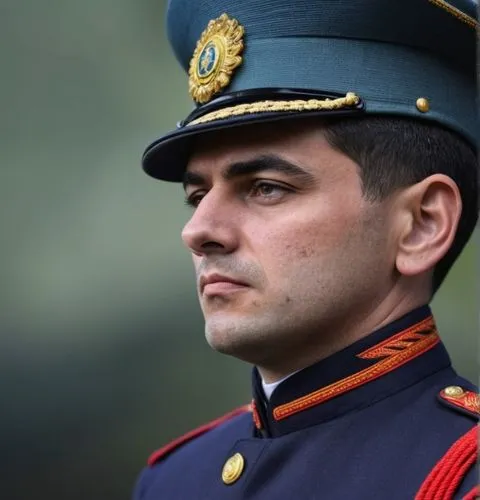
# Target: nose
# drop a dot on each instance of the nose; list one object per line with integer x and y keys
{"x": 213, "y": 226}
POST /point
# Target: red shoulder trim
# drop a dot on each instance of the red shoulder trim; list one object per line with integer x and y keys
{"x": 467, "y": 402}
{"x": 472, "y": 494}
{"x": 448, "y": 473}
{"x": 165, "y": 450}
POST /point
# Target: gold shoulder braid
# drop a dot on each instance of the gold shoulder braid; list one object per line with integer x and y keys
{"x": 216, "y": 56}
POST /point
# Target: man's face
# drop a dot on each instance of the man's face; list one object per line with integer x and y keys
{"x": 288, "y": 253}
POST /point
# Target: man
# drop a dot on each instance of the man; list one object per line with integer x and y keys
{"x": 331, "y": 170}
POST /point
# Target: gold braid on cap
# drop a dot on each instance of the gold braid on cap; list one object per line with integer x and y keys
{"x": 455, "y": 12}
{"x": 350, "y": 99}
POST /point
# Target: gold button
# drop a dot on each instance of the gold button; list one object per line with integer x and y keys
{"x": 454, "y": 391}
{"x": 423, "y": 105}
{"x": 233, "y": 468}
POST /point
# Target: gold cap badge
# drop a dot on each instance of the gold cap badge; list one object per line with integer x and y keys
{"x": 216, "y": 56}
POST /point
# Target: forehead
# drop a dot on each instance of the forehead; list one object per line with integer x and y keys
{"x": 295, "y": 140}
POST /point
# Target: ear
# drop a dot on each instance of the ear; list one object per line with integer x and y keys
{"x": 429, "y": 215}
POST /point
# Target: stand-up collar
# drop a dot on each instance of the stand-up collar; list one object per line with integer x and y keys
{"x": 384, "y": 362}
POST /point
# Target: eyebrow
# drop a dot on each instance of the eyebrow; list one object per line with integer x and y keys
{"x": 271, "y": 163}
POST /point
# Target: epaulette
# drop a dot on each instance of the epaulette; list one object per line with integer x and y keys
{"x": 462, "y": 400}
{"x": 176, "y": 443}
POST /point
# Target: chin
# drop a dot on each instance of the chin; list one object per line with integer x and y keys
{"x": 233, "y": 337}
{"x": 221, "y": 336}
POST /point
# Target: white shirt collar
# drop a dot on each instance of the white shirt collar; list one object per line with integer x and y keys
{"x": 269, "y": 388}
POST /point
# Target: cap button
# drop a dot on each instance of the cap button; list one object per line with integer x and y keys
{"x": 422, "y": 104}
{"x": 233, "y": 468}
{"x": 454, "y": 391}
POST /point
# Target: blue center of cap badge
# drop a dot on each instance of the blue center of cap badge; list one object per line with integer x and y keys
{"x": 208, "y": 60}
{"x": 215, "y": 58}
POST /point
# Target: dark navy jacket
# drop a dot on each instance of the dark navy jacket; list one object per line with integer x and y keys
{"x": 369, "y": 422}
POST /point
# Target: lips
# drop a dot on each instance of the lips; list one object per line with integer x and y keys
{"x": 220, "y": 282}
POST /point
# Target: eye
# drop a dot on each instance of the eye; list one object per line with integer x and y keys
{"x": 268, "y": 190}
{"x": 193, "y": 200}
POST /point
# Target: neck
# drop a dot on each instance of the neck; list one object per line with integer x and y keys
{"x": 334, "y": 337}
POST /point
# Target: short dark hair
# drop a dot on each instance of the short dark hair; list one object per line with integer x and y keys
{"x": 396, "y": 152}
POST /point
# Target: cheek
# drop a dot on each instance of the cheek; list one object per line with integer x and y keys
{"x": 317, "y": 235}
{"x": 196, "y": 264}
{"x": 284, "y": 247}
{"x": 319, "y": 228}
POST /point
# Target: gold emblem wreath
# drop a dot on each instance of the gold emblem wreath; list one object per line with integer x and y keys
{"x": 215, "y": 58}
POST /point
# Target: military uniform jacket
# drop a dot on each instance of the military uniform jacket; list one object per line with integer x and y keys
{"x": 385, "y": 418}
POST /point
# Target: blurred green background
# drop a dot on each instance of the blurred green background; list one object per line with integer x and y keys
{"x": 103, "y": 357}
